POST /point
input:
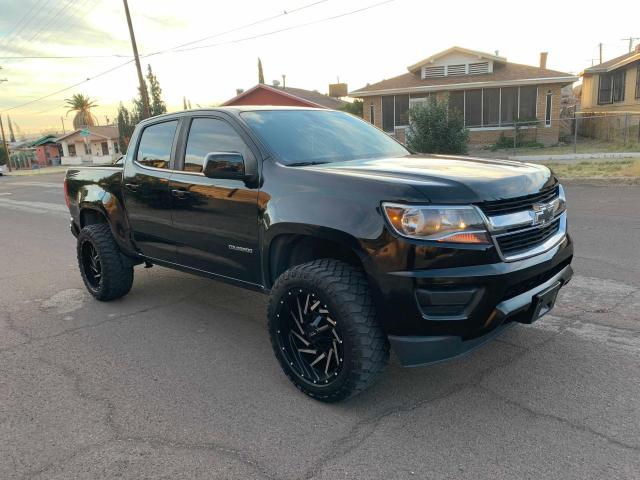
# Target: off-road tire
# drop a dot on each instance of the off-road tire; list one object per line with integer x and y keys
{"x": 116, "y": 275}
{"x": 346, "y": 293}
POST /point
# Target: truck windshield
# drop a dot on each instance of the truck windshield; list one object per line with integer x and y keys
{"x": 303, "y": 137}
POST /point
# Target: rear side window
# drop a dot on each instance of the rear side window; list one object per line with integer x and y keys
{"x": 154, "y": 149}
{"x": 211, "y": 135}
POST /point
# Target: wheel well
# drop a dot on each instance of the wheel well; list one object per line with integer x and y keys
{"x": 289, "y": 250}
{"x": 90, "y": 217}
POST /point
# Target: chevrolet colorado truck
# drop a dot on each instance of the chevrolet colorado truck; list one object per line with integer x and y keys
{"x": 361, "y": 245}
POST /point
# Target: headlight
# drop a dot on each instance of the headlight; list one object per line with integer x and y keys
{"x": 458, "y": 224}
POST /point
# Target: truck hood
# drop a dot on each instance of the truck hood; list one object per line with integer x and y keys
{"x": 450, "y": 179}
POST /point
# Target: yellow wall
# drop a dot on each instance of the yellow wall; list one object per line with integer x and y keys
{"x": 589, "y": 100}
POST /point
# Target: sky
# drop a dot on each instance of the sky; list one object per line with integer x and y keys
{"x": 304, "y": 44}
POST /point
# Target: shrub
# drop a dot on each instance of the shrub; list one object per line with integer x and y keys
{"x": 435, "y": 129}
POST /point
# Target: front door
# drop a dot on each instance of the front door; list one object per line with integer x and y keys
{"x": 215, "y": 220}
{"x": 146, "y": 190}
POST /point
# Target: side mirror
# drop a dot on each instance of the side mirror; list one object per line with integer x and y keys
{"x": 224, "y": 165}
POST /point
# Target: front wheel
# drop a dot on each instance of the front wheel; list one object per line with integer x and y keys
{"x": 324, "y": 330}
{"x": 106, "y": 273}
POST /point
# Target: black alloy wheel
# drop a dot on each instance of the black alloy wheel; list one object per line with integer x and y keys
{"x": 91, "y": 264}
{"x": 309, "y": 338}
{"x": 324, "y": 329}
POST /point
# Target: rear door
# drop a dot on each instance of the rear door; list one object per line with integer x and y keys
{"x": 215, "y": 220}
{"x": 146, "y": 189}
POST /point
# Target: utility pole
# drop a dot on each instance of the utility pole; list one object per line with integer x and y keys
{"x": 4, "y": 144}
{"x": 143, "y": 86}
{"x": 62, "y": 120}
{"x": 600, "y": 47}
{"x": 631, "y": 39}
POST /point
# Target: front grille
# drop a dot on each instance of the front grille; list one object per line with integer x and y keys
{"x": 519, "y": 241}
{"x": 502, "y": 207}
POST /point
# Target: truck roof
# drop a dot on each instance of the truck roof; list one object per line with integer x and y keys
{"x": 236, "y": 109}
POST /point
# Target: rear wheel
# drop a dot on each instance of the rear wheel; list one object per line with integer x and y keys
{"x": 324, "y": 330}
{"x": 106, "y": 273}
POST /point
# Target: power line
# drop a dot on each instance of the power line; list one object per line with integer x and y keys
{"x": 242, "y": 27}
{"x": 88, "y": 79}
{"x": 62, "y": 57}
{"x": 54, "y": 17}
{"x": 19, "y": 22}
{"x": 314, "y": 22}
{"x": 42, "y": 10}
{"x": 159, "y": 52}
{"x": 273, "y": 32}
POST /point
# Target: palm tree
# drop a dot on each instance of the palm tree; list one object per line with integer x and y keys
{"x": 82, "y": 105}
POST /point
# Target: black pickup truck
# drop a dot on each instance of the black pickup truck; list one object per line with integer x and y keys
{"x": 361, "y": 245}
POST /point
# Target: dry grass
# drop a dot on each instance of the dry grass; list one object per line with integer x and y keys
{"x": 621, "y": 168}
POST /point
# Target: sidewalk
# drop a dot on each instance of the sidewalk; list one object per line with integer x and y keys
{"x": 37, "y": 171}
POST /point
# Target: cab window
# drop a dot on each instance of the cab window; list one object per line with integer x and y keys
{"x": 154, "y": 149}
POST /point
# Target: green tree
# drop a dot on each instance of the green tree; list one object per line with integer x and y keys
{"x": 12, "y": 136}
{"x": 82, "y": 105}
{"x": 260, "y": 72}
{"x": 157, "y": 105}
{"x": 3, "y": 154}
{"x": 126, "y": 125}
{"x": 354, "y": 108}
{"x": 434, "y": 128}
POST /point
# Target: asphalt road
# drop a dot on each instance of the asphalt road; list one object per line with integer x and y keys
{"x": 177, "y": 380}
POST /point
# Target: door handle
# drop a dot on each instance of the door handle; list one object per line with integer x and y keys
{"x": 181, "y": 194}
{"x": 132, "y": 186}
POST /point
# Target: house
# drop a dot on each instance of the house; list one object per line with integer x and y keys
{"x": 94, "y": 145}
{"x": 490, "y": 93}
{"x": 612, "y": 86}
{"x": 262, "y": 94}
{"x": 47, "y": 150}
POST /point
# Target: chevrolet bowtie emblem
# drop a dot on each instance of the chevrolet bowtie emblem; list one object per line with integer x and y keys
{"x": 543, "y": 213}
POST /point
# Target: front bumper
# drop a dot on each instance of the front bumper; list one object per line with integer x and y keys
{"x": 415, "y": 351}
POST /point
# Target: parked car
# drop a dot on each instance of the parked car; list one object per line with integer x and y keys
{"x": 360, "y": 245}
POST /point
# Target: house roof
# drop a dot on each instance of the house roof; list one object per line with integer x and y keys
{"x": 312, "y": 98}
{"x": 503, "y": 74}
{"x": 97, "y": 132}
{"x": 416, "y": 66}
{"x": 44, "y": 140}
{"x": 613, "y": 64}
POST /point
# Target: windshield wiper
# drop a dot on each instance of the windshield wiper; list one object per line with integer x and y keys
{"x": 304, "y": 164}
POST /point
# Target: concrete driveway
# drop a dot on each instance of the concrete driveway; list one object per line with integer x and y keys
{"x": 177, "y": 380}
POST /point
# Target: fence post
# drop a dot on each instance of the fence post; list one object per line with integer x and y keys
{"x": 626, "y": 128}
{"x": 575, "y": 131}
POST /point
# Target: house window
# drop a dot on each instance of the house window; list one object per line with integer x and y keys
{"x": 618, "y": 85}
{"x": 388, "y": 113}
{"x": 433, "y": 72}
{"x": 105, "y": 148}
{"x": 547, "y": 115}
{"x": 491, "y": 107}
{"x": 418, "y": 99}
{"x": 611, "y": 87}
{"x": 473, "y": 108}
{"x": 72, "y": 150}
{"x": 457, "y": 69}
{"x": 527, "y": 104}
{"x": 508, "y": 105}
{"x": 478, "y": 68}
{"x": 456, "y": 102}
{"x": 402, "y": 110}
{"x": 638, "y": 83}
{"x": 372, "y": 117}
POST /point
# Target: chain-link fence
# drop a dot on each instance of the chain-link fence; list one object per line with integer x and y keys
{"x": 578, "y": 132}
